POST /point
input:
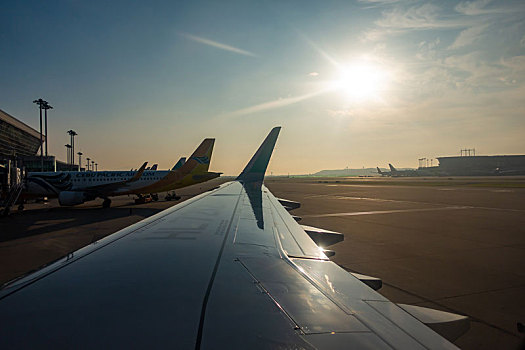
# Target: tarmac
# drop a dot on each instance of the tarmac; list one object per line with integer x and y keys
{"x": 454, "y": 244}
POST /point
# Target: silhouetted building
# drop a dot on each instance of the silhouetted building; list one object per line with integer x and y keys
{"x": 17, "y": 138}
{"x": 482, "y": 165}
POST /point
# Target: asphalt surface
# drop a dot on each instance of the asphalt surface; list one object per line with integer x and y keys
{"x": 452, "y": 244}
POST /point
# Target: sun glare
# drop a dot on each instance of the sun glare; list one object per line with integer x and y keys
{"x": 361, "y": 81}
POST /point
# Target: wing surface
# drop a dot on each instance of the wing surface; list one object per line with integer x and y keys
{"x": 227, "y": 269}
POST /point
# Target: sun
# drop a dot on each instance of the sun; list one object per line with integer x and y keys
{"x": 361, "y": 81}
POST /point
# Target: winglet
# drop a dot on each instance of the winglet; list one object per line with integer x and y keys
{"x": 139, "y": 173}
{"x": 256, "y": 167}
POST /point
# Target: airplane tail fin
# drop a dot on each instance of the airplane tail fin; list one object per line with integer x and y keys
{"x": 199, "y": 162}
{"x": 256, "y": 167}
{"x": 139, "y": 173}
{"x": 392, "y": 167}
{"x": 154, "y": 167}
{"x": 379, "y": 171}
{"x": 179, "y": 164}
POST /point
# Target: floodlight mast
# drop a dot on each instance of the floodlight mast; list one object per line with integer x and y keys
{"x": 45, "y": 107}
{"x": 40, "y": 102}
{"x": 79, "y": 160}
{"x": 68, "y": 147}
{"x": 72, "y": 133}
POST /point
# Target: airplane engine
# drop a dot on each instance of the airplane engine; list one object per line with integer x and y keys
{"x": 71, "y": 198}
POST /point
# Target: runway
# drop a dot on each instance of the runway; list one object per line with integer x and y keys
{"x": 457, "y": 245}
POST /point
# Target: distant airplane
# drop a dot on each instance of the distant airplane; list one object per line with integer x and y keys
{"x": 392, "y": 169}
{"x": 77, "y": 187}
{"x": 382, "y": 173}
{"x": 396, "y": 173}
{"x": 229, "y": 269}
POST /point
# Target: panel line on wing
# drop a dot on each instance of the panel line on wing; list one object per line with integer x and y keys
{"x": 212, "y": 278}
{"x": 265, "y": 291}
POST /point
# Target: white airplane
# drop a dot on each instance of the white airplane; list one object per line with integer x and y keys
{"x": 227, "y": 269}
{"x": 77, "y": 187}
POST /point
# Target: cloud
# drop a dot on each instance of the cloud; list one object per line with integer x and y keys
{"x": 217, "y": 45}
{"x": 427, "y": 49}
{"x": 281, "y": 102}
{"x": 468, "y": 36}
{"x": 471, "y": 8}
{"x": 425, "y": 16}
{"x": 313, "y": 74}
{"x": 478, "y": 7}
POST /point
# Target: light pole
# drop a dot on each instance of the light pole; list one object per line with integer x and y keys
{"x": 68, "y": 147}
{"x": 72, "y": 134}
{"x": 88, "y": 159}
{"x": 96, "y": 166}
{"x": 79, "y": 160}
{"x": 92, "y": 165}
{"x": 45, "y": 107}
{"x": 40, "y": 104}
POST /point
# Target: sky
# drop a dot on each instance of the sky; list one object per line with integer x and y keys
{"x": 352, "y": 83}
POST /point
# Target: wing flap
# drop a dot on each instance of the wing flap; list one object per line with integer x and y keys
{"x": 316, "y": 313}
{"x": 448, "y": 325}
{"x": 289, "y": 204}
{"x": 392, "y": 324}
{"x": 322, "y": 237}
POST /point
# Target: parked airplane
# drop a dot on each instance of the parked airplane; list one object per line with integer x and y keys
{"x": 382, "y": 173}
{"x": 77, "y": 187}
{"x": 229, "y": 269}
{"x": 396, "y": 173}
{"x": 179, "y": 163}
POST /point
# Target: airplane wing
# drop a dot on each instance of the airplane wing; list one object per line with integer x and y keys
{"x": 229, "y": 268}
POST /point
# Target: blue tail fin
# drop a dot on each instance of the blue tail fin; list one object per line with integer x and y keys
{"x": 256, "y": 168}
{"x": 179, "y": 163}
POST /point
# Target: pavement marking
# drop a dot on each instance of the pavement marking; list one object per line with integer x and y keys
{"x": 329, "y": 196}
{"x": 385, "y": 212}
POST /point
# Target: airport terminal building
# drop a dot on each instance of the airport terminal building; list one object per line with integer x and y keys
{"x": 19, "y": 148}
{"x": 483, "y": 165}
{"x": 17, "y": 138}
{"x": 17, "y": 141}
{"x": 20, "y": 144}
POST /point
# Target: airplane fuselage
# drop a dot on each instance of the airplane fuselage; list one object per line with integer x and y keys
{"x": 52, "y": 183}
